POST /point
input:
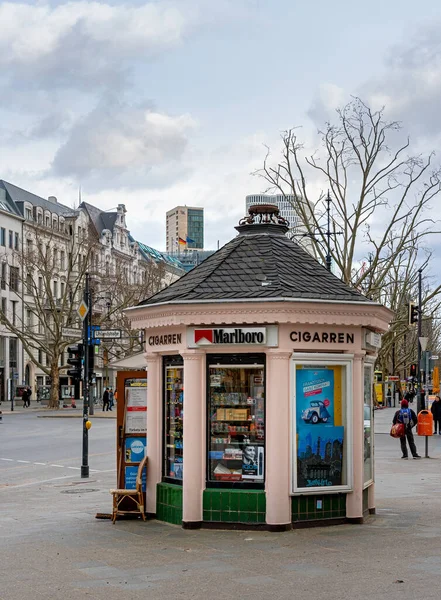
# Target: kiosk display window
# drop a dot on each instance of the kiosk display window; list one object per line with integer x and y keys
{"x": 174, "y": 418}
{"x": 321, "y": 435}
{"x": 236, "y": 427}
{"x": 367, "y": 423}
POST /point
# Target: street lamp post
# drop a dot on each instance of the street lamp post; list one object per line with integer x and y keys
{"x": 420, "y": 404}
{"x": 85, "y": 373}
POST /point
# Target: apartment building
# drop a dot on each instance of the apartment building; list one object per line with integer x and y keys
{"x": 60, "y": 244}
{"x": 11, "y": 354}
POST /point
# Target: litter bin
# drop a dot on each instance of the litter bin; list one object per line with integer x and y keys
{"x": 425, "y": 423}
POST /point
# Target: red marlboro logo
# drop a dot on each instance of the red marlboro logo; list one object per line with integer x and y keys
{"x": 204, "y": 336}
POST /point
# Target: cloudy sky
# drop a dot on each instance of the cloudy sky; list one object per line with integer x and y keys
{"x": 154, "y": 104}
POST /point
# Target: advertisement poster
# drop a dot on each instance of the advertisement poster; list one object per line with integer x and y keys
{"x": 130, "y": 474}
{"x": 252, "y": 462}
{"x": 135, "y": 449}
{"x": 320, "y": 457}
{"x": 319, "y": 441}
{"x": 136, "y": 405}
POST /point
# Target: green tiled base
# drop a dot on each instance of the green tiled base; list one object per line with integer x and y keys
{"x": 234, "y": 506}
{"x": 304, "y": 508}
{"x": 169, "y": 503}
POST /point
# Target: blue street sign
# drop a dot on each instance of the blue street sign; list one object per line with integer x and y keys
{"x": 91, "y": 333}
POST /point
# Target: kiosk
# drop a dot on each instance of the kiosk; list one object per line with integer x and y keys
{"x": 260, "y": 377}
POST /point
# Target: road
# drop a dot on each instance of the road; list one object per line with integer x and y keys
{"x": 33, "y": 448}
{"x": 53, "y": 547}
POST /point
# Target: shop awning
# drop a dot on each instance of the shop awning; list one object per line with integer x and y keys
{"x": 136, "y": 361}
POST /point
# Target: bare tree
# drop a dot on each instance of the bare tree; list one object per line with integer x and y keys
{"x": 49, "y": 283}
{"x": 381, "y": 220}
{"x": 118, "y": 290}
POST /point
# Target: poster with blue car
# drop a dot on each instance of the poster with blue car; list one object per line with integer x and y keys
{"x": 319, "y": 440}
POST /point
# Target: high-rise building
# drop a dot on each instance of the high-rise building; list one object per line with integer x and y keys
{"x": 285, "y": 204}
{"x": 184, "y": 229}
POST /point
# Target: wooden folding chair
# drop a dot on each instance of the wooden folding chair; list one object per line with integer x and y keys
{"x": 136, "y": 496}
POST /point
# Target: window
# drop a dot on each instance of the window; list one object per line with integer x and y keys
{"x": 4, "y": 309}
{"x": 16, "y": 241}
{"x": 29, "y": 283}
{"x": 236, "y": 423}
{"x": 28, "y": 214}
{"x": 40, "y": 356}
{"x": 174, "y": 407}
{"x": 28, "y": 318}
{"x": 62, "y": 289}
{"x": 13, "y": 278}
{"x": 48, "y": 222}
{"x": 11, "y": 239}
{"x": 54, "y": 257}
{"x": 55, "y": 289}
{"x": 14, "y": 312}
{"x": 3, "y": 236}
{"x": 367, "y": 423}
{"x": 3, "y": 278}
{"x": 62, "y": 259}
{"x": 40, "y": 285}
{"x": 321, "y": 440}
{"x": 13, "y": 354}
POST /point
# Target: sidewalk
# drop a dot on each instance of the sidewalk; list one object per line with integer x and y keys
{"x": 45, "y": 412}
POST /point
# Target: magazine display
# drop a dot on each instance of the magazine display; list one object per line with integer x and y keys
{"x": 237, "y": 424}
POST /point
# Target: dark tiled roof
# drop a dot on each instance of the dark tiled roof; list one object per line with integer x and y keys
{"x": 19, "y": 196}
{"x": 109, "y": 220}
{"x": 261, "y": 265}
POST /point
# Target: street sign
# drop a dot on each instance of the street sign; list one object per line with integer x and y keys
{"x": 108, "y": 334}
{"x": 393, "y": 378}
{"x": 434, "y": 357}
{"x": 82, "y": 310}
{"x": 70, "y": 332}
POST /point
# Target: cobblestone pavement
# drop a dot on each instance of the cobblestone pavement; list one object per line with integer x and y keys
{"x": 53, "y": 547}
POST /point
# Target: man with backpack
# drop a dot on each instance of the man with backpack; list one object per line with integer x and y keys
{"x": 408, "y": 418}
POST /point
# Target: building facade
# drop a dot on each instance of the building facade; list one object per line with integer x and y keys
{"x": 60, "y": 244}
{"x": 184, "y": 229}
{"x": 11, "y": 350}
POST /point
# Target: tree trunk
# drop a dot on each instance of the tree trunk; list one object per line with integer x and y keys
{"x": 55, "y": 387}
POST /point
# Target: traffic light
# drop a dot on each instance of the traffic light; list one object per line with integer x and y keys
{"x": 413, "y": 370}
{"x": 91, "y": 360}
{"x": 413, "y": 313}
{"x": 75, "y": 360}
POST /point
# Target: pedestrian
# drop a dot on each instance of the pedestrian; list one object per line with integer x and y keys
{"x": 111, "y": 399}
{"x": 29, "y": 394}
{"x": 389, "y": 397}
{"x": 436, "y": 412}
{"x": 408, "y": 418}
{"x": 106, "y": 399}
{"x": 25, "y": 397}
{"x": 409, "y": 395}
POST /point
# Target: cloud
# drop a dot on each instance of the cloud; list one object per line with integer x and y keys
{"x": 83, "y": 45}
{"x": 410, "y": 85}
{"x": 118, "y": 144}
